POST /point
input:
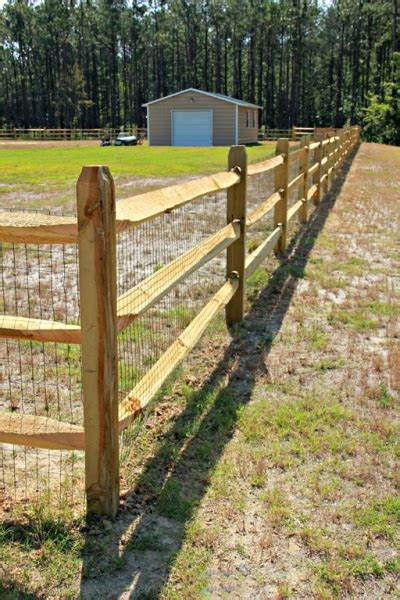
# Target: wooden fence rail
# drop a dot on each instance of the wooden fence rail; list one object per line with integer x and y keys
{"x": 59, "y": 134}
{"x": 104, "y": 314}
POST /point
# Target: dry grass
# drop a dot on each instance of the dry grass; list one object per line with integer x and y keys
{"x": 268, "y": 468}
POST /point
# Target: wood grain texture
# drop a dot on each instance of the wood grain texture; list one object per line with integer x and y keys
{"x": 36, "y": 228}
{"x": 313, "y": 169}
{"x": 131, "y": 211}
{"x": 257, "y": 257}
{"x": 295, "y": 182}
{"x": 39, "y": 330}
{"x": 149, "y": 291}
{"x": 264, "y": 166}
{"x": 313, "y": 189}
{"x": 293, "y": 210}
{"x": 236, "y": 254}
{"x": 149, "y": 385}
{"x": 263, "y": 209}
{"x": 97, "y": 279}
{"x": 40, "y": 432}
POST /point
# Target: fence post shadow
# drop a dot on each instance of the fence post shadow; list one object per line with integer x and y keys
{"x": 138, "y": 576}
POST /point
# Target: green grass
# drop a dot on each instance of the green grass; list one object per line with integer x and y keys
{"x": 54, "y": 166}
{"x": 45, "y": 549}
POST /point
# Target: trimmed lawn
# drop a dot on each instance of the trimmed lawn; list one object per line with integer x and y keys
{"x": 24, "y": 168}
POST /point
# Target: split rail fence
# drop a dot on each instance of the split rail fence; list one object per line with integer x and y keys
{"x": 104, "y": 314}
{"x": 58, "y": 134}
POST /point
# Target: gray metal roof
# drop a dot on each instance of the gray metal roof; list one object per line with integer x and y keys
{"x": 212, "y": 94}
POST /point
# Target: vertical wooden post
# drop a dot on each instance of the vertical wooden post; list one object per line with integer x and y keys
{"x": 318, "y": 173}
{"x": 98, "y": 300}
{"x": 236, "y": 253}
{"x": 303, "y": 189}
{"x": 325, "y": 152}
{"x": 340, "y": 153}
{"x": 329, "y": 163}
{"x": 281, "y": 184}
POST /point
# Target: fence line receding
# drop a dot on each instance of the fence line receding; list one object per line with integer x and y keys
{"x": 86, "y": 355}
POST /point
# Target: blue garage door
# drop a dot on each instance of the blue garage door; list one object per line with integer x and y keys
{"x": 192, "y": 128}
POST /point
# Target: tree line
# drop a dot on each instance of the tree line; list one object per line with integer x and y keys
{"x": 93, "y": 63}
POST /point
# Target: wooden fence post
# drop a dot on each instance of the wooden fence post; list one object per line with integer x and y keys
{"x": 329, "y": 163}
{"x": 303, "y": 168}
{"x": 236, "y": 253}
{"x": 318, "y": 173}
{"x": 98, "y": 300}
{"x": 281, "y": 184}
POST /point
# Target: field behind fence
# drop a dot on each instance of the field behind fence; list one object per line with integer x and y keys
{"x": 58, "y": 134}
{"x": 100, "y": 309}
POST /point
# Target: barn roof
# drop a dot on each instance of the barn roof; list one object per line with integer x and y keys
{"x": 212, "y": 94}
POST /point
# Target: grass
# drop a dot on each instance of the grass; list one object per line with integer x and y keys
{"x": 24, "y": 168}
{"x": 44, "y": 550}
{"x": 268, "y": 465}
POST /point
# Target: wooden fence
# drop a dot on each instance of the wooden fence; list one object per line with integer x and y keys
{"x": 44, "y": 134}
{"x": 58, "y": 134}
{"x": 104, "y": 315}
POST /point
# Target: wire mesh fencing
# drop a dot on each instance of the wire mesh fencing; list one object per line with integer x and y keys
{"x": 40, "y": 378}
{"x": 171, "y": 278}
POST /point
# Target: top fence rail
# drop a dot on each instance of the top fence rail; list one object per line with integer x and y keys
{"x": 57, "y": 134}
{"x": 104, "y": 313}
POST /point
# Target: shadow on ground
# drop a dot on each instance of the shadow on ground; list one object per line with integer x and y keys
{"x": 172, "y": 485}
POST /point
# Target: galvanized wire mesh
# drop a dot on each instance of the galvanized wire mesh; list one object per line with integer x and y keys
{"x": 44, "y": 379}
{"x": 40, "y": 378}
{"x": 144, "y": 250}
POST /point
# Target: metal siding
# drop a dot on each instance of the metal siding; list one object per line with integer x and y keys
{"x": 247, "y": 135}
{"x": 223, "y": 118}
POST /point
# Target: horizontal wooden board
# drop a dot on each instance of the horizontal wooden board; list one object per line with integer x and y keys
{"x": 313, "y": 169}
{"x": 260, "y": 254}
{"x": 263, "y": 209}
{"x": 149, "y": 385}
{"x": 36, "y": 228}
{"x": 38, "y": 329}
{"x": 266, "y": 165}
{"x": 137, "y": 209}
{"x": 153, "y": 288}
{"x": 295, "y": 182}
{"x": 293, "y": 210}
{"x": 312, "y": 191}
{"x": 323, "y": 178}
{"x": 40, "y": 432}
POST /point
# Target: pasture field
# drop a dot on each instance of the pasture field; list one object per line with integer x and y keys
{"x": 44, "y": 174}
{"x": 269, "y": 468}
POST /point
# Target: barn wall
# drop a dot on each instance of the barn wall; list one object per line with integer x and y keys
{"x": 224, "y": 118}
{"x": 247, "y": 135}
